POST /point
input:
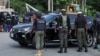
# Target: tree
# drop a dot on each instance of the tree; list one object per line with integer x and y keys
{"x": 17, "y": 5}
{"x": 94, "y": 3}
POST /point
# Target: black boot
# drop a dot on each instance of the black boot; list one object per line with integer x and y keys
{"x": 65, "y": 50}
{"x": 61, "y": 50}
{"x": 86, "y": 50}
{"x": 95, "y": 47}
{"x": 79, "y": 49}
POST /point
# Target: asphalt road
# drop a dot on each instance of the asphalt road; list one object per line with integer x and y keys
{"x": 8, "y": 47}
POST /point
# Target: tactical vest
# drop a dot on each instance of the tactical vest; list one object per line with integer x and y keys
{"x": 40, "y": 25}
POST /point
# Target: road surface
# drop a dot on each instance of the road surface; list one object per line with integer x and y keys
{"x": 8, "y": 47}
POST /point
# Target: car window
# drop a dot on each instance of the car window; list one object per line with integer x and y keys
{"x": 55, "y": 20}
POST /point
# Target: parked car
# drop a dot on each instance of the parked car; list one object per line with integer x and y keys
{"x": 20, "y": 32}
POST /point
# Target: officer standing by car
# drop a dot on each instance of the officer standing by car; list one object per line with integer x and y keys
{"x": 96, "y": 30}
{"x": 39, "y": 27}
{"x": 81, "y": 31}
{"x": 64, "y": 26}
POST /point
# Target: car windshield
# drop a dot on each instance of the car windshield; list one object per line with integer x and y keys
{"x": 72, "y": 18}
{"x": 48, "y": 17}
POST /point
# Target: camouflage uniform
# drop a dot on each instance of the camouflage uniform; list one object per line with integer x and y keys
{"x": 64, "y": 27}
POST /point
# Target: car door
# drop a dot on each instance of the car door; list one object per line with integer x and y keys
{"x": 52, "y": 25}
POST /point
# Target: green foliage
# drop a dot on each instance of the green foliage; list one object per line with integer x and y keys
{"x": 40, "y": 7}
{"x": 94, "y": 6}
{"x": 17, "y": 5}
{"x": 94, "y": 3}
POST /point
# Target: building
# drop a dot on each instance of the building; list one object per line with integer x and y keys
{"x": 5, "y": 6}
{"x": 4, "y": 3}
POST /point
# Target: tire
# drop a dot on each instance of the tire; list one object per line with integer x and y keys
{"x": 33, "y": 43}
{"x": 23, "y": 44}
{"x": 89, "y": 40}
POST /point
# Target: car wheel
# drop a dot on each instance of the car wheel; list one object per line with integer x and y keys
{"x": 33, "y": 43}
{"x": 89, "y": 40}
{"x": 23, "y": 44}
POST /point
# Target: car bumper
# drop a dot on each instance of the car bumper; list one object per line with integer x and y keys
{"x": 19, "y": 36}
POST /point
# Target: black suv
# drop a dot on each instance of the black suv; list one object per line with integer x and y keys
{"x": 20, "y": 32}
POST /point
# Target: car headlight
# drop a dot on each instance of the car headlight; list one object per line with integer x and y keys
{"x": 27, "y": 29}
{"x": 11, "y": 30}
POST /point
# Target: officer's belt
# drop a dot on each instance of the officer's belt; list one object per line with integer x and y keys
{"x": 61, "y": 27}
{"x": 80, "y": 28}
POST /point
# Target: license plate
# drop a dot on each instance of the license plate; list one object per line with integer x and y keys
{"x": 19, "y": 31}
{"x": 23, "y": 35}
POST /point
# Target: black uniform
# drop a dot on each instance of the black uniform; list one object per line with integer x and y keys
{"x": 96, "y": 30}
{"x": 80, "y": 27}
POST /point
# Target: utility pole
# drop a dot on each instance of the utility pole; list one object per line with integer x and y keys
{"x": 85, "y": 1}
{"x": 50, "y": 5}
{"x": 83, "y": 5}
{"x": 9, "y": 4}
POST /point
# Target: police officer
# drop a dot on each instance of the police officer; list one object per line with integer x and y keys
{"x": 80, "y": 28}
{"x": 96, "y": 30}
{"x": 27, "y": 18}
{"x": 64, "y": 26}
{"x": 39, "y": 27}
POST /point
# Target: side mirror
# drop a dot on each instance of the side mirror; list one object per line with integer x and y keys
{"x": 51, "y": 24}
